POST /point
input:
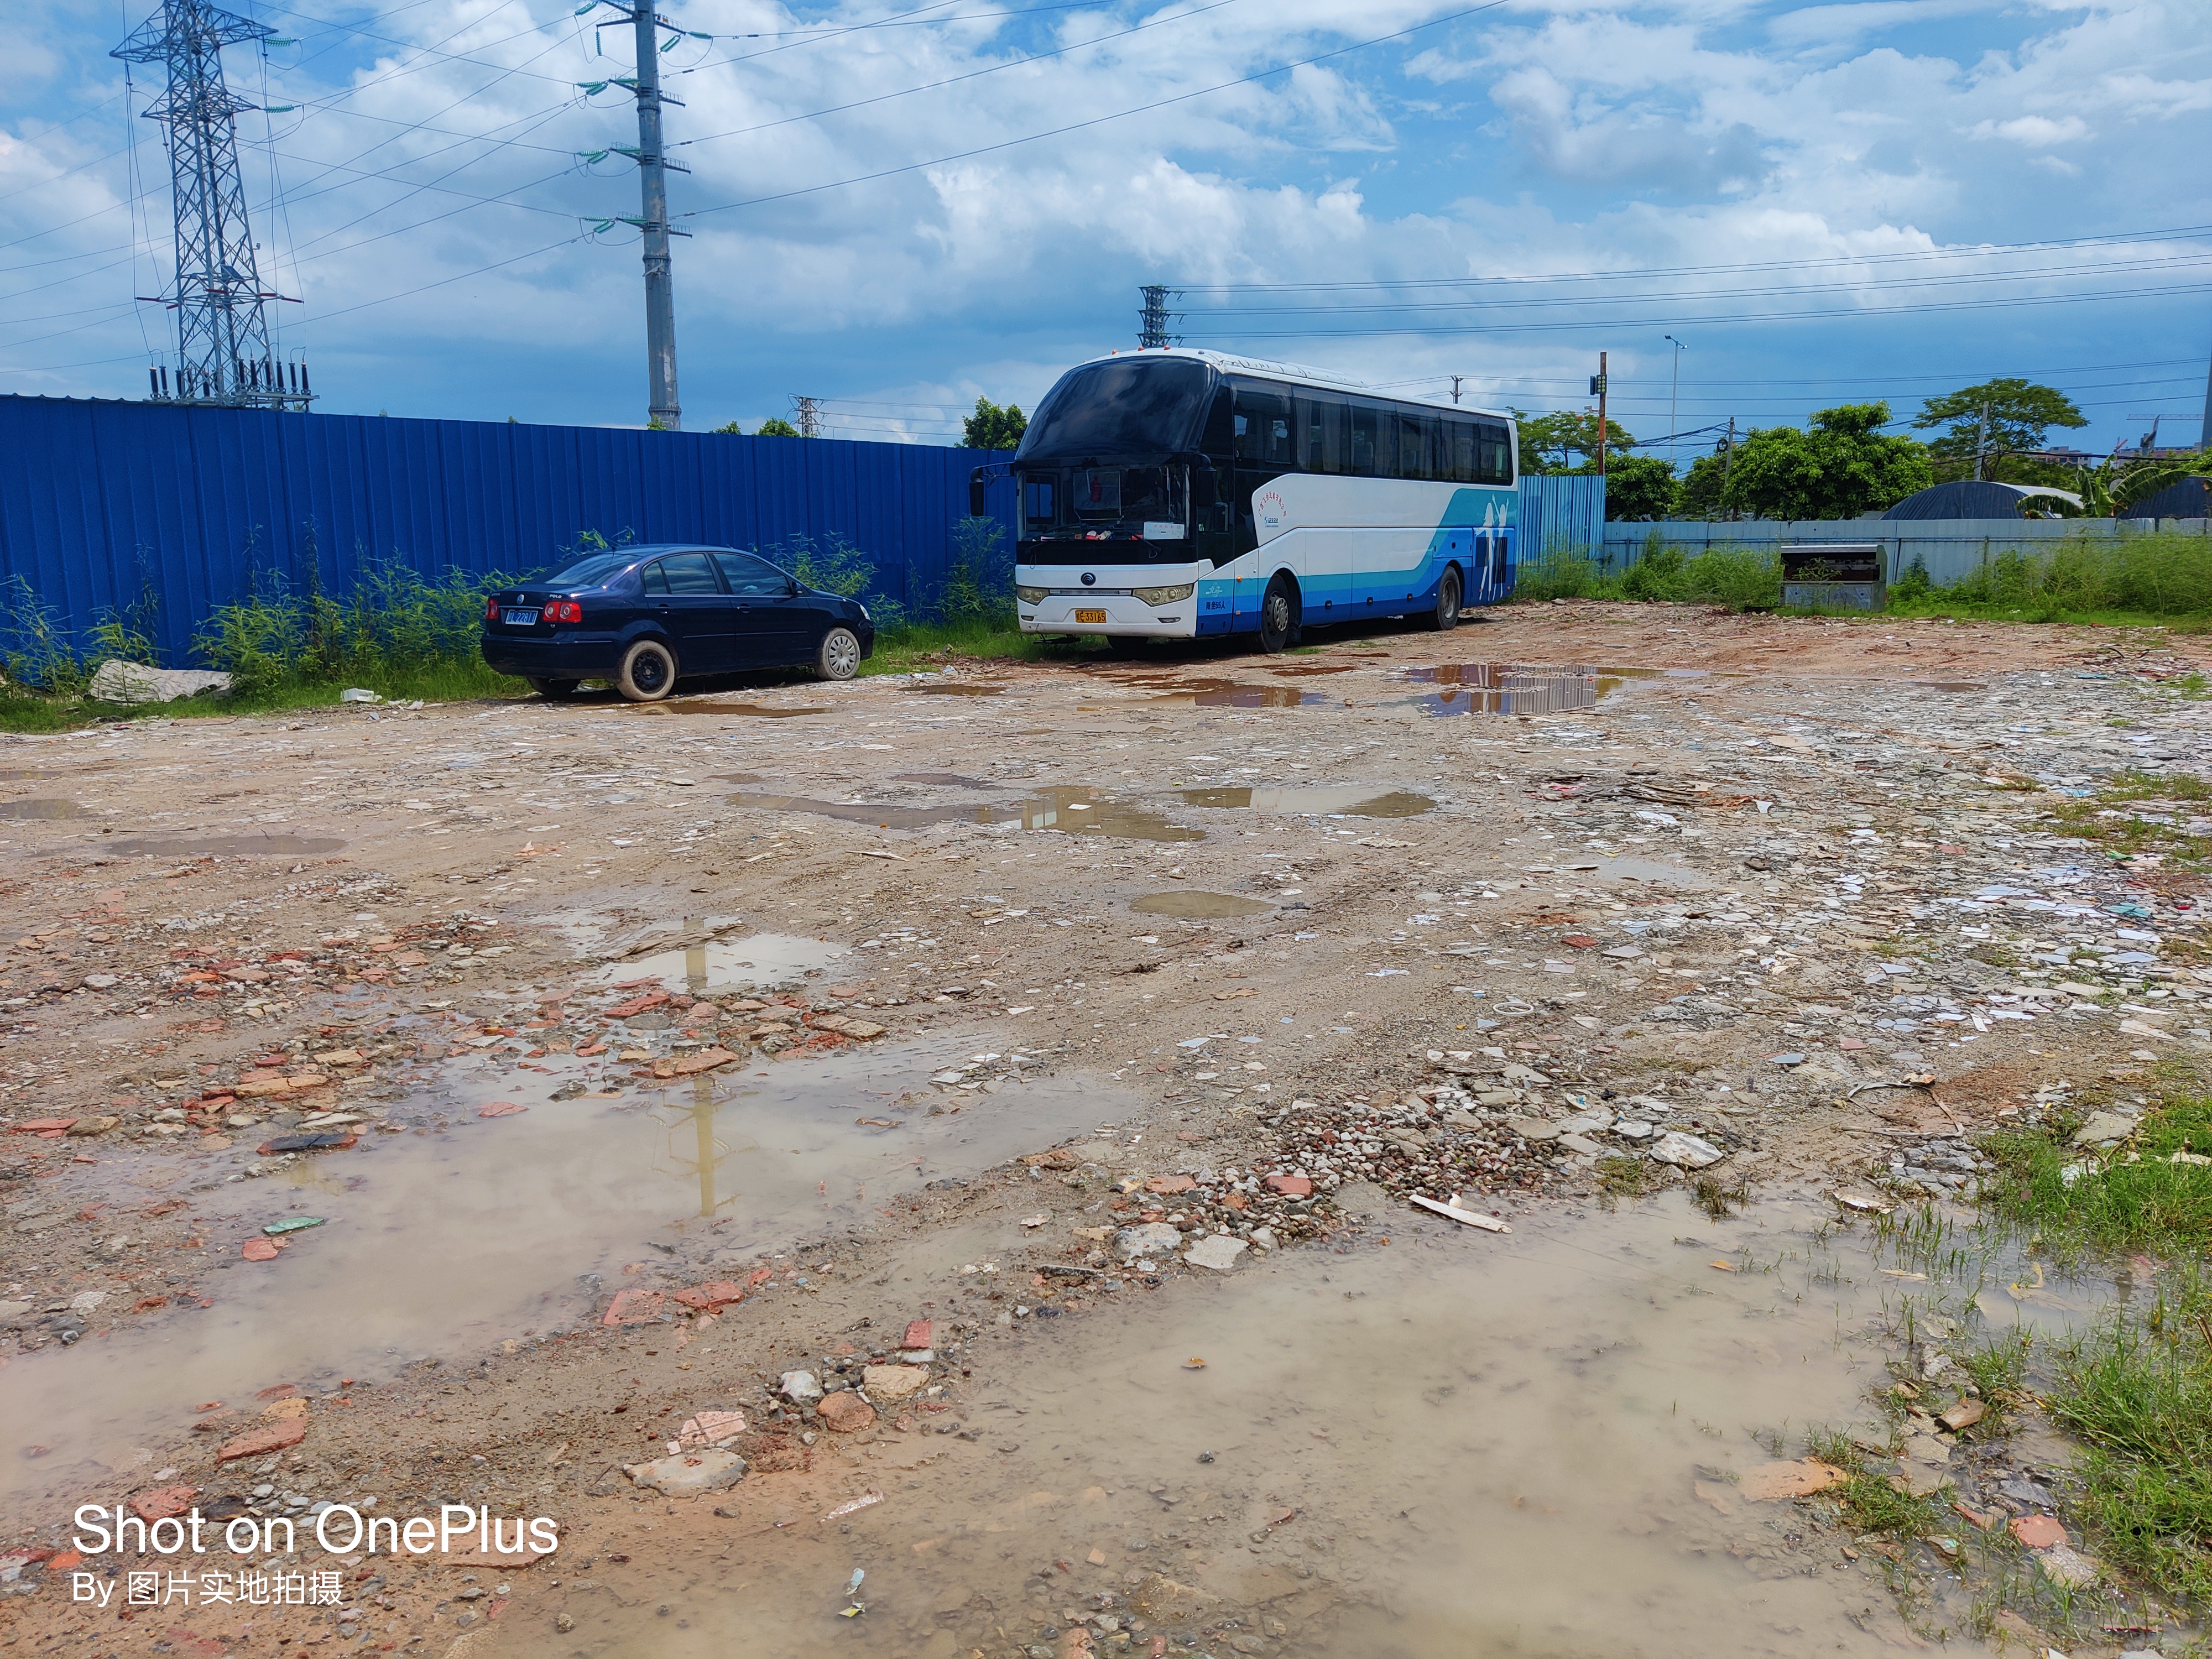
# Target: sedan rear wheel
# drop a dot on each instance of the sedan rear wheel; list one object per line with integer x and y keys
{"x": 647, "y": 672}
{"x": 839, "y": 656}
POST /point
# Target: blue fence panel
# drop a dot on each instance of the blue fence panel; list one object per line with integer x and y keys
{"x": 101, "y": 501}
{"x": 1561, "y": 513}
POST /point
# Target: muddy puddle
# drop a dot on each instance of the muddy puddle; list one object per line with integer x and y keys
{"x": 1227, "y": 694}
{"x": 1948, "y": 685}
{"x": 758, "y": 962}
{"x": 1457, "y": 1444}
{"x": 962, "y": 688}
{"x": 463, "y": 1231}
{"x": 221, "y": 847}
{"x": 1076, "y": 810}
{"x": 1480, "y": 688}
{"x": 702, "y": 706}
{"x": 44, "y": 809}
{"x": 1331, "y": 800}
{"x": 1188, "y": 905}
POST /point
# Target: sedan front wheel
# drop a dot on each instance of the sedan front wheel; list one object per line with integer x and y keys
{"x": 838, "y": 658}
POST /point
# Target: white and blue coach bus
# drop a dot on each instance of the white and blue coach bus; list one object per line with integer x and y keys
{"x": 1176, "y": 494}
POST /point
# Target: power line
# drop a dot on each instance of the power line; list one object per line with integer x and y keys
{"x": 1669, "y": 318}
{"x": 1101, "y": 120}
{"x": 972, "y": 75}
{"x": 2118, "y": 238}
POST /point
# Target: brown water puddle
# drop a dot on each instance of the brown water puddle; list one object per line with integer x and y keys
{"x": 1193, "y": 906}
{"x": 467, "y": 1231}
{"x": 758, "y": 962}
{"x": 1458, "y": 1444}
{"x": 1228, "y": 694}
{"x": 702, "y": 706}
{"x": 962, "y": 688}
{"x": 221, "y": 847}
{"x": 44, "y": 809}
{"x": 1078, "y": 811}
{"x": 1948, "y": 685}
{"x": 1335, "y": 800}
{"x": 1515, "y": 689}
{"x": 935, "y": 779}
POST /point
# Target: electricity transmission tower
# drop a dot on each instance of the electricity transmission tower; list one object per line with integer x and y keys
{"x": 809, "y": 411}
{"x": 653, "y": 167}
{"x": 1154, "y": 318}
{"x": 224, "y": 355}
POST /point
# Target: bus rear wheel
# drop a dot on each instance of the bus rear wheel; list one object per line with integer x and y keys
{"x": 1279, "y": 615}
{"x": 1448, "y": 602}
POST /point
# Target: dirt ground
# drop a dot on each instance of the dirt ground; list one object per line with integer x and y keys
{"x": 1099, "y": 965}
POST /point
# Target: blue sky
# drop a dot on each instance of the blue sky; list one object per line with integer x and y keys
{"x": 1824, "y": 203}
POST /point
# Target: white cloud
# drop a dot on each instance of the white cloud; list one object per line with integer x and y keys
{"x": 2036, "y": 131}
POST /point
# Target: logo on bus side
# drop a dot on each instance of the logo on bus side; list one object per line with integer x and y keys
{"x": 1268, "y": 505}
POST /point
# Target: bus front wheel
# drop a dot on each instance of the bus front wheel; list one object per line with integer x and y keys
{"x": 1279, "y": 615}
{"x": 1448, "y": 602}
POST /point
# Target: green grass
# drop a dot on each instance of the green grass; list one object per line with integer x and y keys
{"x": 2137, "y": 1389}
{"x": 1866, "y": 1499}
{"x": 2152, "y": 1206}
{"x": 2161, "y": 580}
{"x": 2104, "y": 817}
{"x": 1740, "y": 580}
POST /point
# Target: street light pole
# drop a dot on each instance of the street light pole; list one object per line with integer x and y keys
{"x": 1675, "y": 402}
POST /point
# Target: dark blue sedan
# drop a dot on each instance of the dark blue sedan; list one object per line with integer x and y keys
{"x": 641, "y": 618}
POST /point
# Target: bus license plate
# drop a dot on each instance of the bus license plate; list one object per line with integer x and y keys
{"x": 1090, "y": 615}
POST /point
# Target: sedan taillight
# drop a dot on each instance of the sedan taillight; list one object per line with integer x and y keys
{"x": 564, "y": 610}
{"x": 491, "y": 610}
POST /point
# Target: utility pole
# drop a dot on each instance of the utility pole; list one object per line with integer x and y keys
{"x": 2204, "y": 432}
{"x": 1597, "y": 386}
{"x": 1153, "y": 320}
{"x": 1981, "y": 441}
{"x": 1674, "y": 404}
{"x": 224, "y": 353}
{"x": 1728, "y": 457}
{"x": 1456, "y": 379}
{"x": 663, "y": 410}
{"x": 809, "y": 411}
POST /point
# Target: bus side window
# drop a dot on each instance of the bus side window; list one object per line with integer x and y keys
{"x": 1420, "y": 446}
{"x": 1496, "y": 456}
{"x": 1263, "y": 420}
{"x": 1371, "y": 439}
{"x": 1321, "y": 423}
{"x": 1458, "y": 450}
{"x": 1223, "y": 428}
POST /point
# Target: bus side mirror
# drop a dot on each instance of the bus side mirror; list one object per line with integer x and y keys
{"x": 1221, "y": 515}
{"x": 976, "y": 506}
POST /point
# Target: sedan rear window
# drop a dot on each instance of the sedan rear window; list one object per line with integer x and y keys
{"x": 682, "y": 572}
{"x": 591, "y": 571}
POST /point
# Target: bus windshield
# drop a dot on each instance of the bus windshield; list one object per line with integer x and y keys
{"x": 1132, "y": 406}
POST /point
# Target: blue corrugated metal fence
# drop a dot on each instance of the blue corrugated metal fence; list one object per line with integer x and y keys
{"x": 1561, "y": 513}
{"x": 100, "y": 500}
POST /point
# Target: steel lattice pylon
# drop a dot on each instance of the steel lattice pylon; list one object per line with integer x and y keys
{"x": 223, "y": 351}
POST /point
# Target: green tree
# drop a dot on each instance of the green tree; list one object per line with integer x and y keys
{"x": 992, "y": 427}
{"x": 775, "y": 427}
{"x": 1699, "y": 495}
{"x": 1566, "y": 441}
{"x": 1638, "y": 487}
{"x": 2019, "y": 412}
{"x": 1845, "y": 464}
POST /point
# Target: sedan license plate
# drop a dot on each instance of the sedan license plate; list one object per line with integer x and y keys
{"x": 519, "y": 618}
{"x": 1090, "y": 615}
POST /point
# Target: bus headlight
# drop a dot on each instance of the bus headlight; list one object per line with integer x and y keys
{"x": 1156, "y": 597}
{"x": 1031, "y": 595}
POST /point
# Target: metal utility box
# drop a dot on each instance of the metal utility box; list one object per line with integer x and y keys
{"x": 1833, "y": 575}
